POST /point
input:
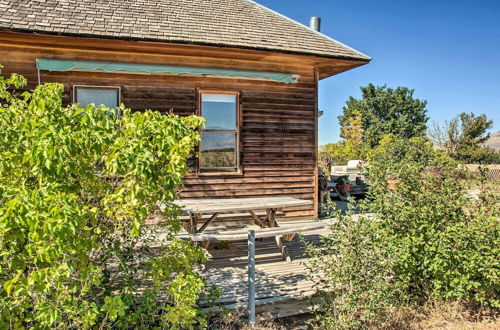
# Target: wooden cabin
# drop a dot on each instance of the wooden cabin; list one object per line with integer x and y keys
{"x": 250, "y": 71}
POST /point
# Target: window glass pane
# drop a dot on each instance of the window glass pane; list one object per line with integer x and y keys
{"x": 98, "y": 96}
{"x": 218, "y": 149}
{"x": 219, "y": 110}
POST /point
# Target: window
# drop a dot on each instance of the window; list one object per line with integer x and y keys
{"x": 219, "y": 138}
{"x": 108, "y": 96}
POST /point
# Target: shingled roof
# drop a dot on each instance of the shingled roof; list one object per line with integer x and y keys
{"x": 232, "y": 23}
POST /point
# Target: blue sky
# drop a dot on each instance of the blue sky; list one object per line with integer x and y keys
{"x": 448, "y": 51}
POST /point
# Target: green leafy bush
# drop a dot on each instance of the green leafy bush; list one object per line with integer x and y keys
{"x": 356, "y": 281}
{"x": 472, "y": 154}
{"x": 75, "y": 188}
{"x": 427, "y": 239}
{"x": 447, "y": 241}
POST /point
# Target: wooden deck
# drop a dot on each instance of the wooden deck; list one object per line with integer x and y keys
{"x": 283, "y": 288}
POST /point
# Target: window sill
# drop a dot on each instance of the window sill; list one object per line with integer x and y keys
{"x": 238, "y": 173}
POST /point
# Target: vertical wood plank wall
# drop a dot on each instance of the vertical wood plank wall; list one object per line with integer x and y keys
{"x": 279, "y": 124}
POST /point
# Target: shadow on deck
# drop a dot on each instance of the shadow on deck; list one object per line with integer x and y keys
{"x": 283, "y": 288}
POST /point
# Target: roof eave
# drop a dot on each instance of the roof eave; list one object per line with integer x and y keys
{"x": 336, "y": 66}
{"x": 362, "y": 57}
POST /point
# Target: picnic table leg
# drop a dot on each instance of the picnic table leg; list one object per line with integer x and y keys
{"x": 188, "y": 224}
{"x": 195, "y": 218}
{"x": 191, "y": 226}
{"x": 280, "y": 240}
{"x": 257, "y": 220}
{"x": 271, "y": 218}
{"x": 212, "y": 218}
{"x": 192, "y": 221}
{"x": 205, "y": 244}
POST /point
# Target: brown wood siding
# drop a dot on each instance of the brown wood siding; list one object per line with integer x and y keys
{"x": 278, "y": 129}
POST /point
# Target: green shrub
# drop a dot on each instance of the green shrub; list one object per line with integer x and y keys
{"x": 75, "y": 188}
{"x": 472, "y": 154}
{"x": 356, "y": 281}
{"x": 426, "y": 240}
{"x": 447, "y": 241}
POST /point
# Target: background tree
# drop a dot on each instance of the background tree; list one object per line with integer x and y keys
{"x": 463, "y": 138}
{"x": 386, "y": 111}
{"x": 353, "y": 133}
{"x": 446, "y": 135}
{"x": 332, "y": 154}
{"x": 353, "y": 147}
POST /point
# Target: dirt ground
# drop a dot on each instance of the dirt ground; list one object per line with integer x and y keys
{"x": 451, "y": 316}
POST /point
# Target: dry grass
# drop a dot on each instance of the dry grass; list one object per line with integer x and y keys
{"x": 232, "y": 321}
{"x": 443, "y": 316}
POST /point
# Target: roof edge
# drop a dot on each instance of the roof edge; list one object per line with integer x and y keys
{"x": 362, "y": 55}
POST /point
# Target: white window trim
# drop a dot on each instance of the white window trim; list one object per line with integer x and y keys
{"x": 222, "y": 170}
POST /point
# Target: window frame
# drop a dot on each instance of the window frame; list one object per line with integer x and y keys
{"x": 118, "y": 88}
{"x": 220, "y": 170}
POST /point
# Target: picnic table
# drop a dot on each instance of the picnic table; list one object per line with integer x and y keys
{"x": 268, "y": 225}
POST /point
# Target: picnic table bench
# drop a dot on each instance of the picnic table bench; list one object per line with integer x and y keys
{"x": 268, "y": 226}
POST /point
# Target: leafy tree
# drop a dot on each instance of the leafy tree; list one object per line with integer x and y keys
{"x": 333, "y": 154}
{"x": 445, "y": 136}
{"x": 353, "y": 131}
{"x": 76, "y": 186}
{"x": 387, "y": 111}
{"x": 353, "y": 147}
{"x": 474, "y": 128}
{"x": 392, "y": 155}
{"x": 463, "y": 138}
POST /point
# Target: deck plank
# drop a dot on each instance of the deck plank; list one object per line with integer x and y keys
{"x": 282, "y": 287}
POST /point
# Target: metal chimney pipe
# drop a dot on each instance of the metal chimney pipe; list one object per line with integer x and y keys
{"x": 315, "y": 23}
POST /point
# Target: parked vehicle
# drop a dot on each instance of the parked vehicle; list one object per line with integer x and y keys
{"x": 348, "y": 180}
